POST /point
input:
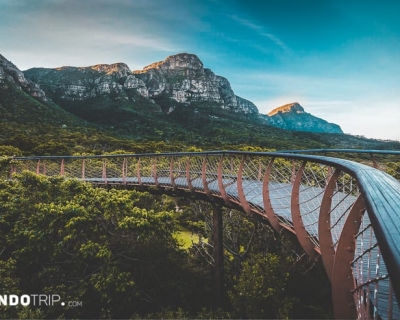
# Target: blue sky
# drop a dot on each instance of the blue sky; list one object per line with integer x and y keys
{"x": 339, "y": 59}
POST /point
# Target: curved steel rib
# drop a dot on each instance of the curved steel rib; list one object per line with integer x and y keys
{"x": 346, "y": 212}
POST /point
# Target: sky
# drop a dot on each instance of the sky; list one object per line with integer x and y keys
{"x": 340, "y": 59}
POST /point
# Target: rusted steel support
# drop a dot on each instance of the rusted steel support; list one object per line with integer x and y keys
{"x": 83, "y": 170}
{"x": 207, "y": 191}
{"x": 138, "y": 173}
{"x": 154, "y": 172}
{"x": 242, "y": 198}
{"x": 104, "y": 171}
{"x": 38, "y": 167}
{"x": 329, "y": 174}
{"x": 324, "y": 225}
{"x": 259, "y": 175}
{"x": 221, "y": 187}
{"x": 269, "y": 211}
{"x": 218, "y": 253}
{"x": 189, "y": 181}
{"x": 62, "y": 168}
{"x": 171, "y": 173}
{"x": 342, "y": 275}
{"x": 293, "y": 176}
{"x": 301, "y": 232}
{"x": 124, "y": 170}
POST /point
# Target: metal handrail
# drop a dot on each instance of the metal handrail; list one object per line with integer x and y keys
{"x": 380, "y": 191}
{"x": 372, "y": 151}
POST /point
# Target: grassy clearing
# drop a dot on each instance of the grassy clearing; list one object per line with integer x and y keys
{"x": 185, "y": 237}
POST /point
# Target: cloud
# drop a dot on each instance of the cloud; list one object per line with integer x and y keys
{"x": 260, "y": 30}
{"x": 133, "y": 41}
{"x": 348, "y": 74}
{"x": 76, "y": 32}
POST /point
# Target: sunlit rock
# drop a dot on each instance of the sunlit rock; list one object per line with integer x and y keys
{"x": 293, "y": 117}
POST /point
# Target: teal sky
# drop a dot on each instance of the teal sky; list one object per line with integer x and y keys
{"x": 339, "y": 59}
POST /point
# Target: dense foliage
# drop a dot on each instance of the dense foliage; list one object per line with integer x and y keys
{"x": 267, "y": 275}
{"x": 106, "y": 248}
{"x": 106, "y": 123}
{"x": 115, "y": 251}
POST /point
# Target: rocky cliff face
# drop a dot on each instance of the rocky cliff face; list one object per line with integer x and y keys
{"x": 73, "y": 83}
{"x": 183, "y": 78}
{"x": 11, "y": 75}
{"x": 24, "y": 103}
{"x": 180, "y": 77}
{"x": 293, "y": 117}
{"x": 170, "y": 85}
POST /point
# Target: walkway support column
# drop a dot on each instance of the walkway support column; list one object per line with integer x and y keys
{"x": 218, "y": 253}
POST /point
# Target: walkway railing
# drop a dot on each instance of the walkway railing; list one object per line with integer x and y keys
{"x": 344, "y": 212}
{"x": 376, "y": 158}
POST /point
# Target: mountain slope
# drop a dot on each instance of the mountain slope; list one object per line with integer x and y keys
{"x": 112, "y": 95}
{"x": 33, "y": 123}
{"x": 165, "y": 100}
{"x": 108, "y": 107}
{"x": 183, "y": 78}
{"x": 22, "y": 100}
{"x": 293, "y": 117}
{"x": 106, "y": 95}
{"x": 169, "y": 90}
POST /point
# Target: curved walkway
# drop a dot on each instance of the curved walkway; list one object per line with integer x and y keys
{"x": 344, "y": 212}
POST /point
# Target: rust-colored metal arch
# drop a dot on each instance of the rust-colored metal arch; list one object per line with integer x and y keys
{"x": 242, "y": 198}
{"x": 221, "y": 186}
{"x": 204, "y": 178}
{"x": 342, "y": 274}
{"x": 269, "y": 211}
{"x": 188, "y": 179}
{"x": 324, "y": 225}
{"x": 301, "y": 232}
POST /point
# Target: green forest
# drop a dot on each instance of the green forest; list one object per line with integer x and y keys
{"x": 121, "y": 254}
{"x": 130, "y": 254}
{"x": 103, "y": 124}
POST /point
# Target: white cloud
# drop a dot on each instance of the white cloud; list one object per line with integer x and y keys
{"x": 82, "y": 33}
{"x": 261, "y": 31}
{"x": 354, "y": 85}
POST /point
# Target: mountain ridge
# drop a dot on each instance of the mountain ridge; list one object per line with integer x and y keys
{"x": 28, "y": 97}
{"x": 179, "y": 79}
{"x": 294, "y": 106}
{"x": 9, "y": 73}
{"x": 100, "y": 108}
{"x": 184, "y": 79}
{"x": 292, "y": 116}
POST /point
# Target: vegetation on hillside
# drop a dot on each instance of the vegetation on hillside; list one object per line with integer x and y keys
{"x": 115, "y": 252}
{"x": 135, "y": 124}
